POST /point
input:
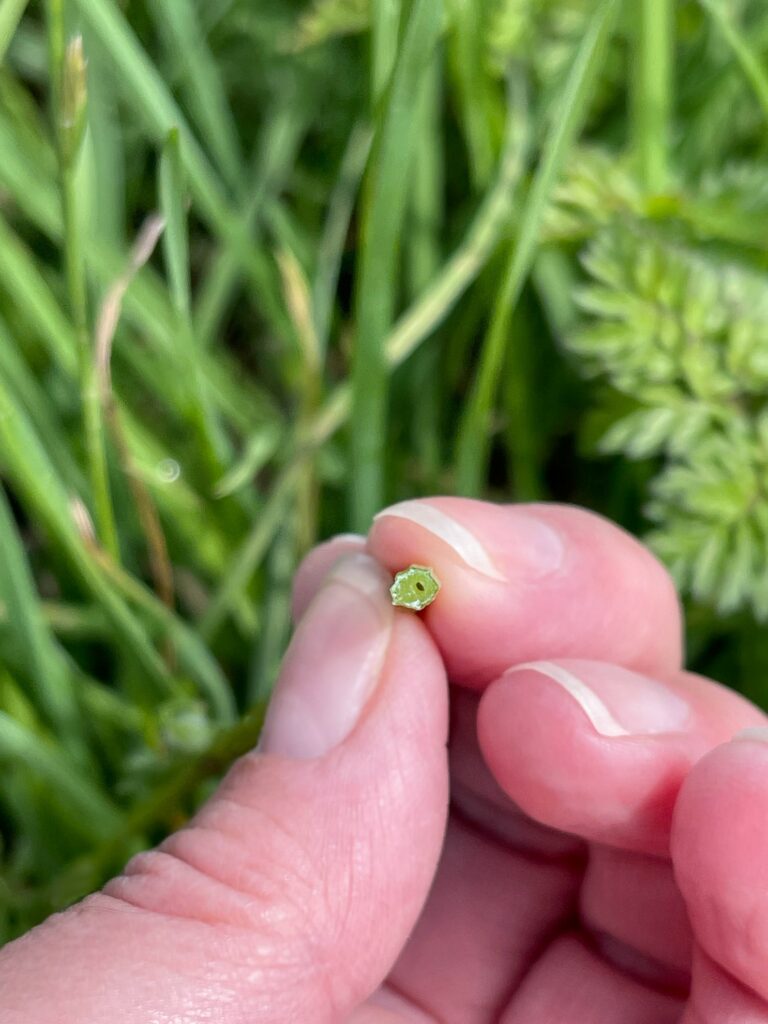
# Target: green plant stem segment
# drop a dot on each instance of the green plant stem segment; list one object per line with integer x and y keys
{"x": 69, "y": 96}
{"x": 652, "y": 97}
{"x": 473, "y": 446}
{"x": 376, "y": 285}
{"x": 415, "y": 587}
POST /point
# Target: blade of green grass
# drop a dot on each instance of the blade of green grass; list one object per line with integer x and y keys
{"x": 417, "y": 324}
{"x": 336, "y": 228}
{"x": 275, "y": 153}
{"x": 748, "y": 60}
{"x": 35, "y": 482}
{"x": 26, "y": 463}
{"x": 146, "y": 305}
{"x": 475, "y": 249}
{"x": 48, "y": 675}
{"x": 176, "y": 249}
{"x": 250, "y": 552}
{"x": 69, "y": 101}
{"x": 467, "y": 51}
{"x": 152, "y": 100}
{"x": 21, "y": 280}
{"x": 70, "y": 620}
{"x": 177, "y": 21}
{"x": 88, "y": 811}
{"x": 276, "y": 620}
{"x": 193, "y": 654}
{"x": 175, "y": 242}
{"x": 11, "y": 12}
{"x": 385, "y": 30}
{"x": 106, "y": 153}
{"x": 37, "y": 404}
{"x": 423, "y": 258}
{"x": 377, "y": 277}
{"x": 473, "y": 442}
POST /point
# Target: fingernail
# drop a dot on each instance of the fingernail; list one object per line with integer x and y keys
{"x": 333, "y": 663}
{"x": 537, "y": 547}
{"x": 757, "y": 733}
{"x": 627, "y": 704}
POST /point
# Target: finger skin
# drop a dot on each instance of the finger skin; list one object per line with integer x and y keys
{"x": 549, "y": 757}
{"x": 571, "y": 984}
{"x": 315, "y": 566}
{"x": 489, "y": 912}
{"x": 635, "y": 900}
{"x": 287, "y": 898}
{"x": 604, "y": 596}
{"x": 720, "y": 855}
{"x": 718, "y": 998}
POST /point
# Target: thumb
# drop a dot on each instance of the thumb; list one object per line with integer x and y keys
{"x": 289, "y": 895}
{"x": 720, "y": 855}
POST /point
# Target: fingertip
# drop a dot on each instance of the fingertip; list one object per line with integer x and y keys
{"x": 524, "y": 582}
{"x": 590, "y": 748}
{"x": 720, "y": 855}
{"x": 316, "y": 565}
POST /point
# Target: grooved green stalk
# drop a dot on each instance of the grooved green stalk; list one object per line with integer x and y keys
{"x": 652, "y": 94}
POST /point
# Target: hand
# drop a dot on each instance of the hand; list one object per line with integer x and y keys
{"x": 606, "y": 837}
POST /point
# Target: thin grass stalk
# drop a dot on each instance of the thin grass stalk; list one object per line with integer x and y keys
{"x": 69, "y": 98}
{"x": 474, "y": 434}
{"x": 377, "y": 281}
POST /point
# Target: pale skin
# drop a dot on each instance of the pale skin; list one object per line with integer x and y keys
{"x": 591, "y": 847}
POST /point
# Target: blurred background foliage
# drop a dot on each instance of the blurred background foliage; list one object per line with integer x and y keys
{"x": 266, "y": 266}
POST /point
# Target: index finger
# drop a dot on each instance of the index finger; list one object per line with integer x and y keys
{"x": 526, "y": 582}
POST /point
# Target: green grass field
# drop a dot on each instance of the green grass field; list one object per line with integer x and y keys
{"x": 267, "y": 266}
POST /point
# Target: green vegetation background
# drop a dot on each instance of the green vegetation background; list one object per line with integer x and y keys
{"x": 265, "y": 267}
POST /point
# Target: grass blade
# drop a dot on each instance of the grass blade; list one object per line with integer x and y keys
{"x": 466, "y": 51}
{"x": 28, "y": 290}
{"x": 35, "y": 481}
{"x": 413, "y": 327}
{"x": 385, "y": 29}
{"x": 69, "y": 100}
{"x": 154, "y": 103}
{"x": 481, "y": 238}
{"x": 276, "y": 151}
{"x": 377, "y": 278}
{"x": 11, "y": 12}
{"x": 48, "y": 675}
{"x": 176, "y": 249}
{"x": 749, "y": 62}
{"x": 177, "y": 21}
{"x": 89, "y": 812}
{"x": 569, "y": 113}
{"x": 340, "y": 207}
